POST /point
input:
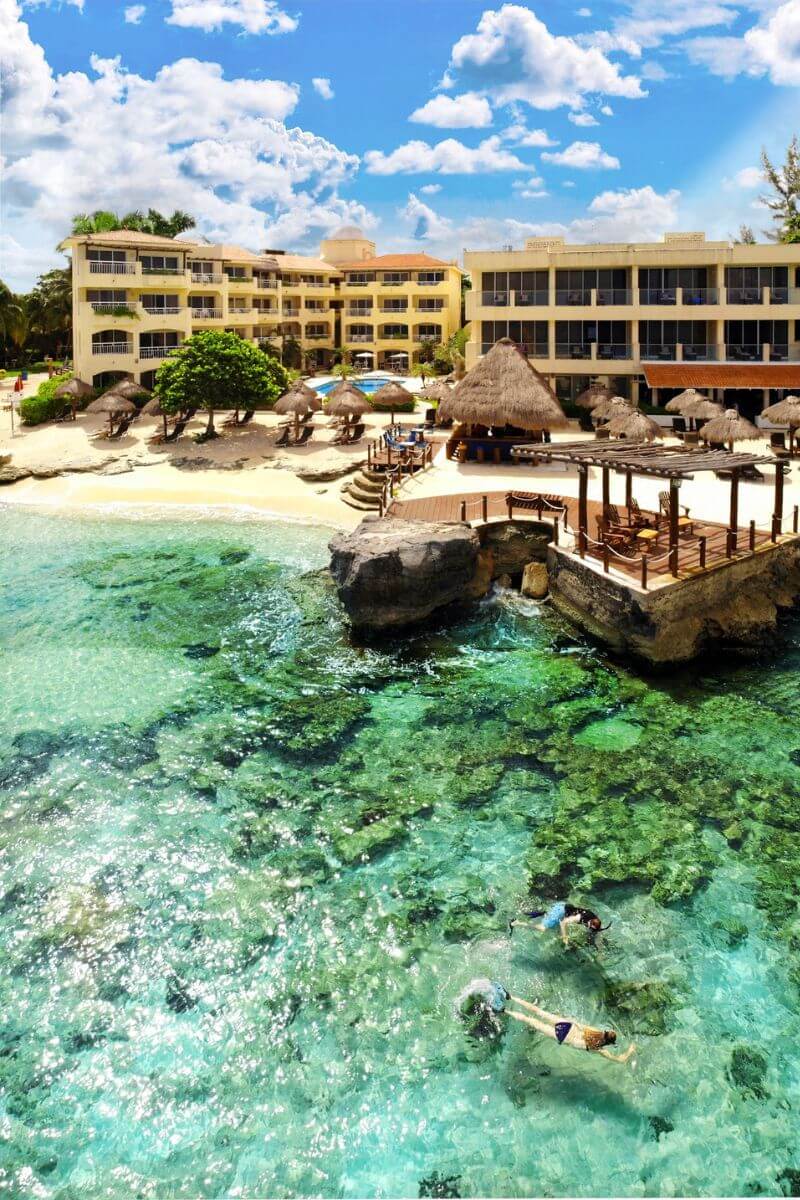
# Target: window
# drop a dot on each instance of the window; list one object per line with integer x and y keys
{"x": 166, "y": 338}
{"x": 155, "y": 263}
{"x": 107, "y": 296}
{"x": 236, "y": 272}
{"x": 202, "y": 302}
{"x": 395, "y": 277}
{"x": 360, "y": 277}
{"x": 531, "y": 335}
{"x": 430, "y": 276}
{"x": 109, "y": 337}
{"x": 105, "y": 255}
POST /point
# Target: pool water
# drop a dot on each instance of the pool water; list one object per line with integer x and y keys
{"x": 368, "y": 386}
{"x": 247, "y": 866}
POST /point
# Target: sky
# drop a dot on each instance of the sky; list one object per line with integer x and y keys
{"x": 434, "y": 125}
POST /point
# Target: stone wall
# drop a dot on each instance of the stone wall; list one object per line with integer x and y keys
{"x": 735, "y": 604}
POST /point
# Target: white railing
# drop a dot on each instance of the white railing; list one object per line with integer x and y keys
{"x": 154, "y": 311}
{"x": 360, "y": 312}
{"x": 238, "y": 312}
{"x": 266, "y": 283}
{"x": 205, "y": 314}
{"x": 105, "y": 308}
{"x": 202, "y": 278}
{"x": 399, "y": 309}
{"x": 360, "y": 337}
{"x": 112, "y": 268}
{"x": 427, "y": 337}
{"x": 112, "y": 347}
{"x": 155, "y": 351}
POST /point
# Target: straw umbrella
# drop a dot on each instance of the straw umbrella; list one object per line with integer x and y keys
{"x": 128, "y": 388}
{"x": 153, "y": 409}
{"x": 593, "y": 394}
{"x": 612, "y": 407}
{"x": 113, "y": 404}
{"x": 504, "y": 389}
{"x": 73, "y": 390}
{"x": 392, "y": 393}
{"x": 729, "y": 428}
{"x": 346, "y": 400}
{"x": 679, "y": 403}
{"x": 299, "y": 400}
{"x": 634, "y": 425}
{"x": 785, "y": 412}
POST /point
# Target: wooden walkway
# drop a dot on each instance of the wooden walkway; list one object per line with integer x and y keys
{"x": 707, "y": 546}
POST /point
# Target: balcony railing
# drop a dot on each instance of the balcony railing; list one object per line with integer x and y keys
{"x": 238, "y": 312}
{"x": 156, "y": 351}
{"x": 360, "y": 312}
{"x": 291, "y": 312}
{"x": 429, "y": 307}
{"x": 122, "y": 308}
{"x": 427, "y": 337}
{"x": 699, "y": 352}
{"x": 318, "y": 337}
{"x": 693, "y": 295}
{"x": 359, "y": 282}
{"x": 614, "y": 350}
{"x": 426, "y": 282}
{"x": 265, "y": 283}
{"x": 573, "y": 350}
{"x": 529, "y": 299}
{"x": 614, "y": 296}
{"x": 657, "y": 351}
{"x": 658, "y": 295}
{"x": 154, "y": 310}
{"x": 530, "y": 349}
{"x": 360, "y": 337}
{"x": 163, "y": 271}
{"x": 205, "y": 314}
{"x": 112, "y": 347}
{"x": 314, "y": 283}
{"x": 743, "y": 352}
{"x": 494, "y": 299}
{"x": 778, "y": 353}
{"x": 387, "y": 336}
{"x": 394, "y": 282}
{"x": 200, "y": 277}
{"x": 400, "y": 308}
{"x": 112, "y": 268}
{"x": 737, "y": 295}
{"x": 573, "y": 296}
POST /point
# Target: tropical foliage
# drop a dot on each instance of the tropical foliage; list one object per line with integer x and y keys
{"x": 214, "y": 370}
{"x": 784, "y": 202}
{"x": 38, "y": 323}
{"x": 153, "y": 222}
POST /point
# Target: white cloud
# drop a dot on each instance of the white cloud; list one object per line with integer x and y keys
{"x": 513, "y": 56}
{"x": 322, "y": 87}
{"x": 46, "y": 3}
{"x": 430, "y": 189}
{"x": 584, "y": 12}
{"x": 654, "y": 72}
{"x": 187, "y": 138}
{"x": 533, "y": 194}
{"x": 570, "y": 183}
{"x": 466, "y": 111}
{"x": 252, "y": 16}
{"x": 601, "y": 39}
{"x": 628, "y": 215}
{"x": 650, "y": 22}
{"x": 427, "y": 225}
{"x": 747, "y": 179}
{"x": 520, "y": 135}
{"x": 607, "y": 110}
{"x": 582, "y": 155}
{"x": 534, "y": 182}
{"x": 449, "y": 157}
{"x": 583, "y": 118}
{"x": 134, "y": 13}
{"x": 770, "y": 48}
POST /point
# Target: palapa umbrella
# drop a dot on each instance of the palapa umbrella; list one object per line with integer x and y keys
{"x": 113, "y": 404}
{"x": 612, "y": 407}
{"x": 634, "y": 425}
{"x": 153, "y": 409}
{"x": 703, "y": 410}
{"x": 785, "y": 412}
{"x": 391, "y": 394}
{"x": 346, "y": 400}
{"x": 299, "y": 400}
{"x": 504, "y": 389}
{"x": 127, "y": 388}
{"x": 679, "y": 403}
{"x": 73, "y": 390}
{"x": 593, "y": 394}
{"x": 729, "y": 428}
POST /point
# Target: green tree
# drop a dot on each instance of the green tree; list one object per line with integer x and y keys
{"x": 784, "y": 203}
{"x": 216, "y": 370}
{"x": 155, "y": 222}
{"x": 423, "y": 369}
{"x": 745, "y": 236}
{"x": 343, "y": 369}
{"x": 50, "y": 302}
{"x": 10, "y": 311}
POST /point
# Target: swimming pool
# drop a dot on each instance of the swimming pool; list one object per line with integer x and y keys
{"x": 364, "y": 385}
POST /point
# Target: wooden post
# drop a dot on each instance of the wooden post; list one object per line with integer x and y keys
{"x": 583, "y": 516}
{"x": 606, "y": 489}
{"x": 605, "y": 557}
{"x": 752, "y": 535}
{"x": 728, "y": 543}
{"x": 369, "y": 454}
{"x": 795, "y": 518}
{"x": 673, "y": 526}
{"x": 777, "y": 516}
{"x": 555, "y": 531}
{"x": 510, "y": 506}
{"x": 644, "y": 571}
{"x": 485, "y": 508}
{"x": 733, "y": 524}
{"x": 702, "y": 541}
{"x": 388, "y": 454}
{"x": 540, "y": 508}
{"x": 464, "y": 511}
{"x": 628, "y": 490}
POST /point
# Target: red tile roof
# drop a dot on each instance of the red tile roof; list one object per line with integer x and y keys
{"x": 723, "y": 375}
{"x": 391, "y": 262}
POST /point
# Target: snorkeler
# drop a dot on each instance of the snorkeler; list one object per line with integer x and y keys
{"x": 561, "y": 916}
{"x": 565, "y": 1031}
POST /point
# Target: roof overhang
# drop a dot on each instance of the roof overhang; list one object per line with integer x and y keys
{"x": 722, "y": 375}
{"x": 640, "y": 458}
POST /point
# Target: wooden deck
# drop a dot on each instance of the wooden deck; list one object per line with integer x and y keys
{"x": 708, "y": 541}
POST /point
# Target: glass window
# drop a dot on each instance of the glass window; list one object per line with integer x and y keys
{"x": 105, "y": 255}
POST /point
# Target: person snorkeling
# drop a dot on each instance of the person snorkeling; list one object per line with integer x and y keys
{"x": 560, "y": 916}
{"x": 565, "y": 1031}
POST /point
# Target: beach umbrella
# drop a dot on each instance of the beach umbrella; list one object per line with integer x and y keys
{"x": 73, "y": 390}
{"x": 785, "y": 412}
{"x": 679, "y": 403}
{"x": 634, "y": 425}
{"x": 153, "y": 409}
{"x": 128, "y": 388}
{"x": 391, "y": 394}
{"x": 703, "y": 410}
{"x": 504, "y": 389}
{"x": 729, "y": 428}
{"x": 593, "y": 394}
{"x": 346, "y": 400}
{"x": 113, "y": 404}
{"x": 612, "y": 407}
{"x": 299, "y": 400}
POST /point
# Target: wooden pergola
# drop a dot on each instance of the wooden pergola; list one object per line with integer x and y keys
{"x": 670, "y": 463}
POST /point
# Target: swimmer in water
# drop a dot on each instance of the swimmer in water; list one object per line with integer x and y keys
{"x": 560, "y": 916}
{"x": 565, "y": 1031}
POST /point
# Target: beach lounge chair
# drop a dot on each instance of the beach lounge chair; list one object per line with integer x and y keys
{"x": 305, "y": 419}
{"x": 66, "y": 414}
{"x": 283, "y": 437}
{"x": 685, "y": 523}
{"x": 121, "y": 429}
{"x": 306, "y": 433}
{"x": 176, "y": 431}
{"x": 248, "y": 416}
{"x": 357, "y": 432}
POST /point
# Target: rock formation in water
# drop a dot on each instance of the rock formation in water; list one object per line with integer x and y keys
{"x": 390, "y": 573}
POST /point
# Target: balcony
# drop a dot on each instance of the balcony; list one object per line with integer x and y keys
{"x": 112, "y": 347}
{"x": 112, "y": 268}
{"x": 618, "y": 352}
{"x": 399, "y": 308}
{"x": 293, "y": 313}
{"x": 658, "y": 295}
{"x": 657, "y": 352}
{"x": 360, "y": 337}
{"x": 573, "y": 350}
{"x": 426, "y": 283}
{"x": 700, "y": 296}
{"x": 239, "y": 312}
{"x": 434, "y": 338}
{"x": 122, "y": 308}
{"x": 393, "y": 337}
{"x": 199, "y": 277}
{"x": 573, "y": 296}
{"x": 171, "y": 271}
{"x": 737, "y": 295}
{"x": 529, "y": 349}
{"x": 360, "y": 312}
{"x": 266, "y": 283}
{"x": 156, "y": 351}
{"x": 153, "y": 311}
{"x": 318, "y": 336}
{"x": 743, "y": 352}
{"x": 206, "y": 314}
{"x": 614, "y": 296}
{"x": 435, "y": 306}
{"x": 359, "y": 282}
{"x": 699, "y": 352}
{"x": 395, "y": 282}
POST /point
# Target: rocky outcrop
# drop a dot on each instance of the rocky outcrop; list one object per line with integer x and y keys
{"x": 513, "y": 544}
{"x": 13, "y": 474}
{"x": 390, "y": 573}
{"x": 534, "y": 581}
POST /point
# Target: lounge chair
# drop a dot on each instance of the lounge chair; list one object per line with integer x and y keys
{"x": 283, "y": 437}
{"x": 685, "y": 523}
{"x": 306, "y": 433}
{"x": 66, "y": 414}
{"x": 305, "y": 419}
{"x": 176, "y": 431}
{"x": 121, "y": 429}
{"x": 248, "y": 416}
{"x": 639, "y": 519}
{"x": 357, "y": 432}
{"x": 623, "y": 540}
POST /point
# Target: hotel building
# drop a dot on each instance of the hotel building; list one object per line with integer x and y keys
{"x": 136, "y": 297}
{"x": 650, "y": 318}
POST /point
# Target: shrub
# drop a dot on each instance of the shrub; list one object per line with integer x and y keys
{"x": 36, "y": 368}
{"x": 44, "y": 406}
{"x": 405, "y": 406}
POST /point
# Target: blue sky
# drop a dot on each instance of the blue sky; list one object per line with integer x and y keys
{"x": 435, "y": 124}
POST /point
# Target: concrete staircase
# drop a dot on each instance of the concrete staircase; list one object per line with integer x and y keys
{"x": 364, "y": 490}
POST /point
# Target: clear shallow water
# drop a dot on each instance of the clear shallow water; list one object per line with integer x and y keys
{"x": 367, "y": 386}
{"x": 246, "y": 868}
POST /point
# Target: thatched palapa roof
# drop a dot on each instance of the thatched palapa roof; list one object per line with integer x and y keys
{"x": 633, "y": 425}
{"x": 703, "y": 410}
{"x": 593, "y": 394}
{"x": 391, "y": 393}
{"x": 346, "y": 400}
{"x": 729, "y": 428}
{"x": 436, "y": 391}
{"x": 127, "y": 388}
{"x": 111, "y": 402}
{"x": 504, "y": 389}
{"x": 73, "y": 389}
{"x": 611, "y": 407}
{"x": 785, "y": 412}
{"x": 679, "y": 403}
{"x": 298, "y": 399}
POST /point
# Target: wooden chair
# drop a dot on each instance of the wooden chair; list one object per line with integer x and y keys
{"x": 640, "y": 519}
{"x": 685, "y": 523}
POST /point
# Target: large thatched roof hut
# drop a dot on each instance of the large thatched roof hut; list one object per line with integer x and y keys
{"x": 504, "y": 389}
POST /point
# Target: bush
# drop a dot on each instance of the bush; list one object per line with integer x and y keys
{"x": 36, "y": 368}
{"x": 405, "y": 406}
{"x": 35, "y": 410}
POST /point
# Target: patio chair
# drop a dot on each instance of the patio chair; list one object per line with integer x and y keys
{"x": 176, "y": 431}
{"x": 283, "y": 437}
{"x": 357, "y": 432}
{"x": 685, "y": 523}
{"x": 640, "y": 519}
{"x": 121, "y": 429}
{"x": 306, "y": 433}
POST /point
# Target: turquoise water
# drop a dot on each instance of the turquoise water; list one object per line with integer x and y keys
{"x": 368, "y": 386}
{"x": 247, "y": 867}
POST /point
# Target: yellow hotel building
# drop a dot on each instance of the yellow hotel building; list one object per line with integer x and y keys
{"x": 651, "y": 318}
{"x": 136, "y": 297}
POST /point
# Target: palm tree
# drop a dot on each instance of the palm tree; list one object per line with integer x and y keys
{"x": 9, "y": 310}
{"x": 50, "y": 303}
{"x": 171, "y": 226}
{"x": 155, "y": 222}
